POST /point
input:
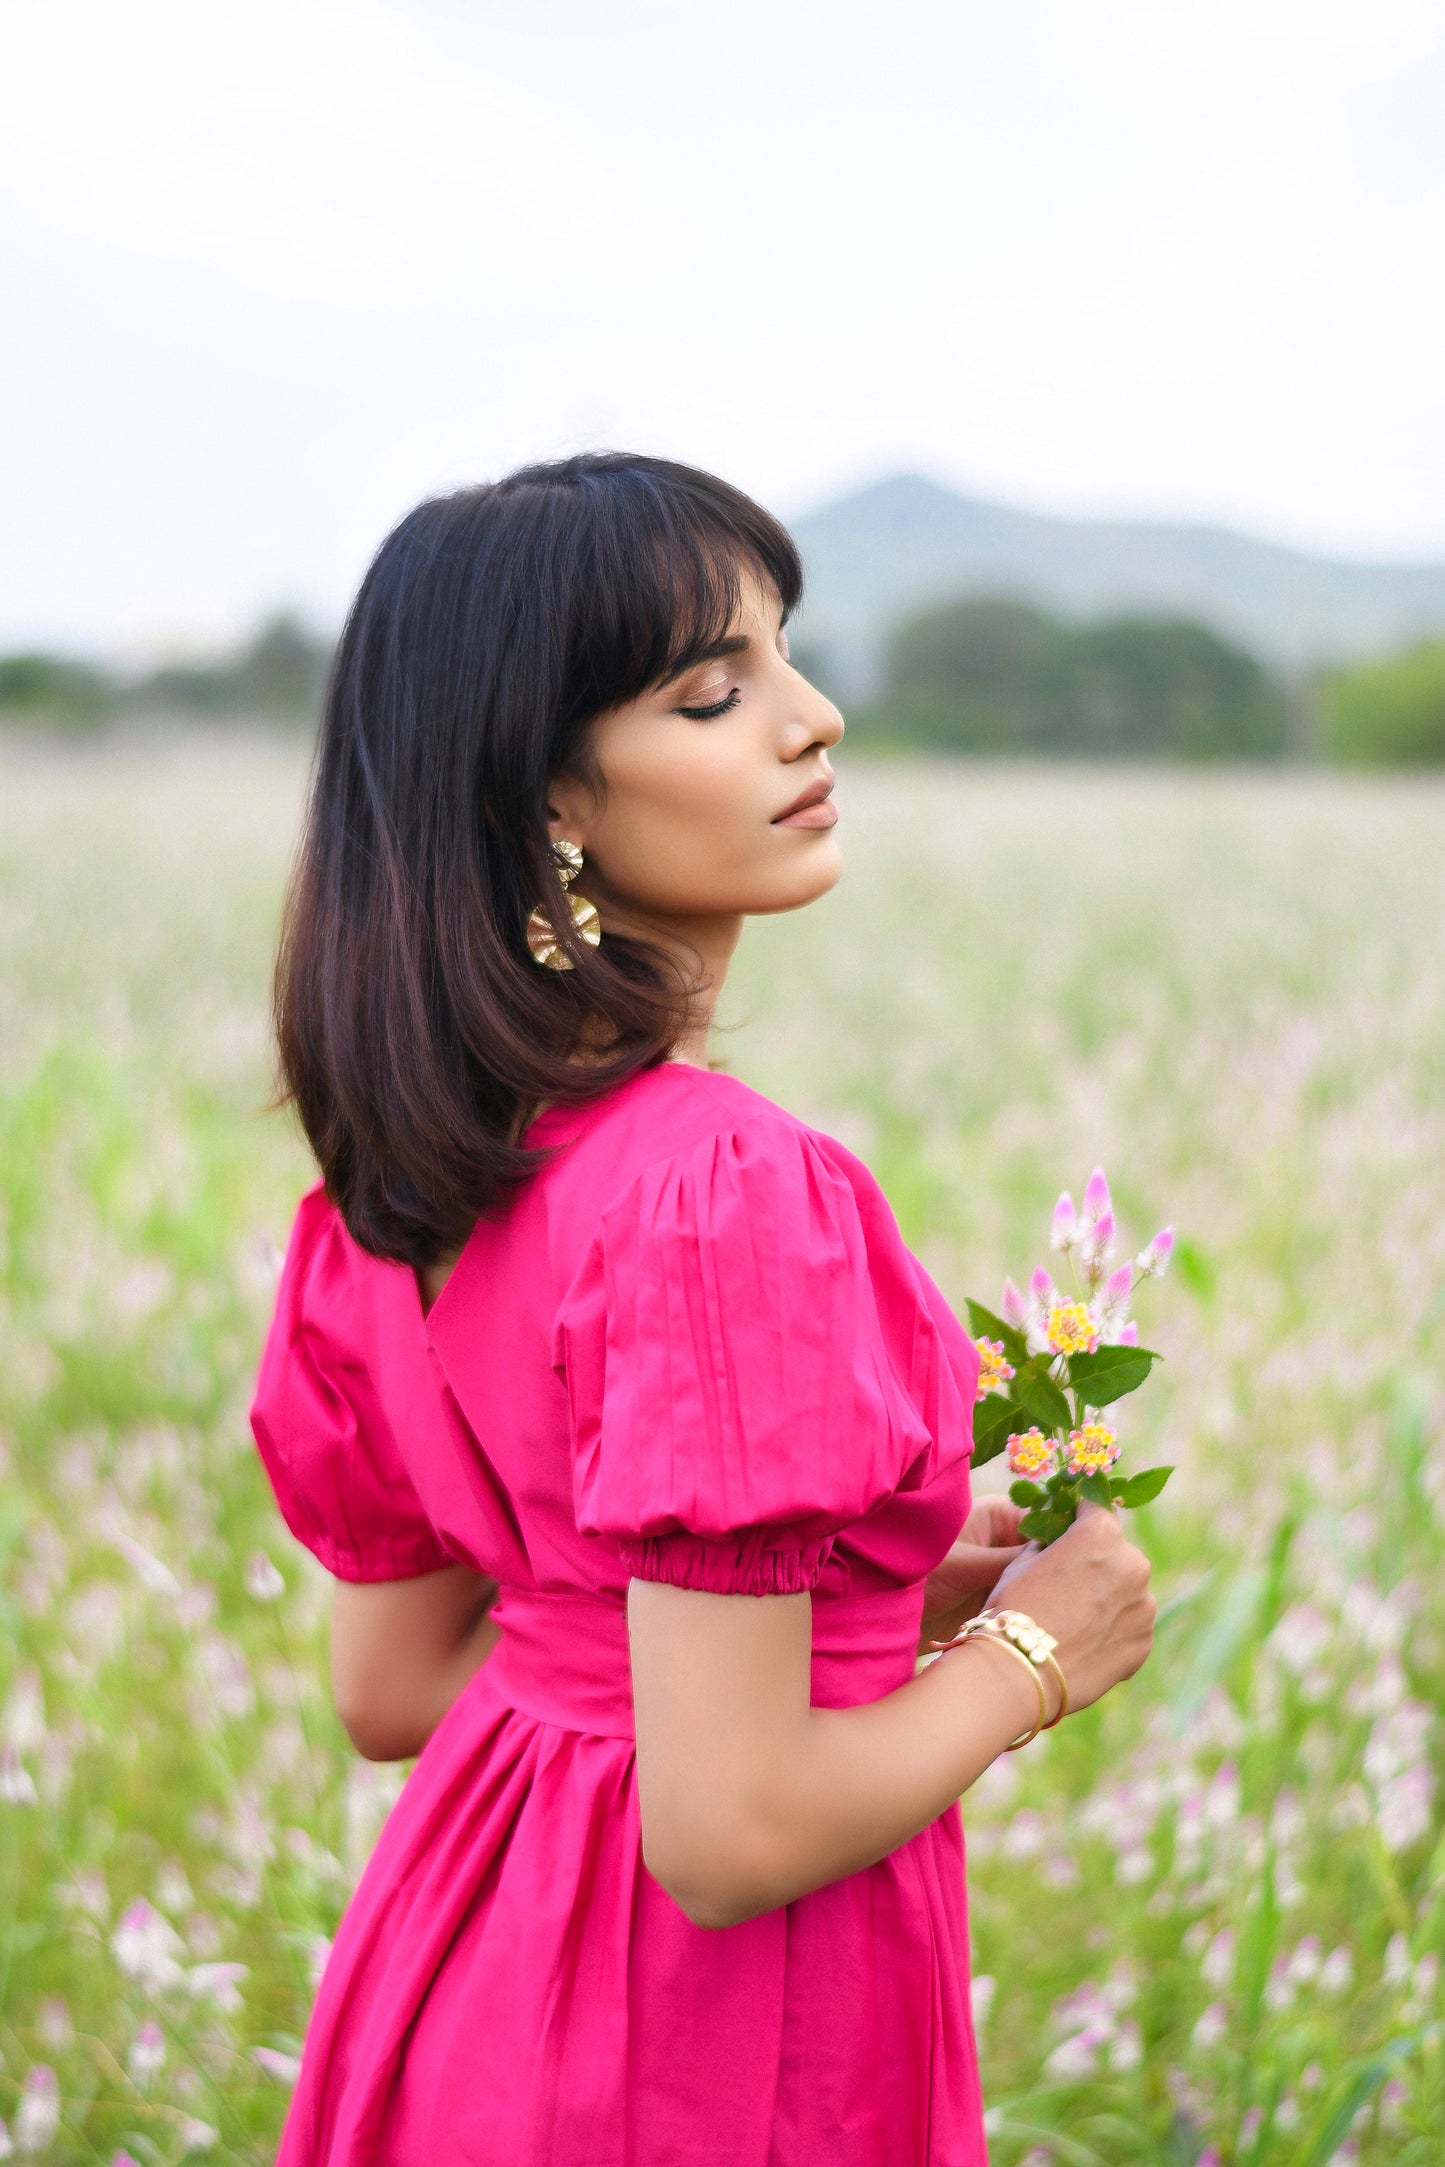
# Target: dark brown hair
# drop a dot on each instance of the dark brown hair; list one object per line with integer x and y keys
{"x": 414, "y": 1030}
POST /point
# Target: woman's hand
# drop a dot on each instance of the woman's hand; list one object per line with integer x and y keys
{"x": 962, "y": 1582}
{"x": 1090, "y": 1589}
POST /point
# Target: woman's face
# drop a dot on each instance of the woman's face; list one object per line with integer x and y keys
{"x": 701, "y": 777}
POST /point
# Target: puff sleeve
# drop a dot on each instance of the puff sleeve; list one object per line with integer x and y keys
{"x": 725, "y": 1348}
{"x": 331, "y": 1455}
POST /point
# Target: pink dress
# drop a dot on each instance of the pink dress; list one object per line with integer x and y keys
{"x": 693, "y": 1349}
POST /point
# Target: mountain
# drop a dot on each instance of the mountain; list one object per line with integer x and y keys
{"x": 890, "y": 548}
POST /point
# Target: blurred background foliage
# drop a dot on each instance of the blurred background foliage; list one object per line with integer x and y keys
{"x": 277, "y": 675}
{"x": 1388, "y": 711}
{"x": 986, "y": 674}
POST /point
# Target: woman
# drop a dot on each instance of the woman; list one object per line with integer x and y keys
{"x": 636, "y": 1439}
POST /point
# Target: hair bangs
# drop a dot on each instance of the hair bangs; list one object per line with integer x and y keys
{"x": 669, "y": 561}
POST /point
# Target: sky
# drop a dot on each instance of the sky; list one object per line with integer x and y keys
{"x": 279, "y": 268}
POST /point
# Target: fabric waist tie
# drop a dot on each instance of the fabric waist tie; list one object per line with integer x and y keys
{"x": 563, "y": 1658}
{"x": 563, "y": 1655}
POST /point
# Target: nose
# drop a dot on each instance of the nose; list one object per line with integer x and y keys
{"x": 816, "y": 720}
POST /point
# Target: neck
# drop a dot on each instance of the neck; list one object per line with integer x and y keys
{"x": 702, "y": 947}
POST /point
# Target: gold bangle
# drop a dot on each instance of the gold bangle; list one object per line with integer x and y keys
{"x": 974, "y": 1631}
{"x": 1053, "y": 1662}
{"x": 1025, "y": 1638}
{"x": 1027, "y": 1635}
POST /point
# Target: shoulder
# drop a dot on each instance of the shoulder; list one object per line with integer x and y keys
{"x": 716, "y": 1202}
{"x": 323, "y": 1292}
{"x": 674, "y": 1121}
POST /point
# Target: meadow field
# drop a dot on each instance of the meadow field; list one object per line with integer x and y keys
{"x": 1209, "y": 1914}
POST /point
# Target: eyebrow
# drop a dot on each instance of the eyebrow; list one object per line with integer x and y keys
{"x": 737, "y": 643}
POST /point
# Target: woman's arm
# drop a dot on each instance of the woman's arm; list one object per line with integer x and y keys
{"x": 401, "y": 1651}
{"x": 751, "y": 1797}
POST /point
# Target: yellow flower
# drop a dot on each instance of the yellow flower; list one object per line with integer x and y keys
{"x": 1092, "y": 1449}
{"x": 1071, "y": 1329}
{"x": 993, "y": 1370}
{"x": 1031, "y": 1453}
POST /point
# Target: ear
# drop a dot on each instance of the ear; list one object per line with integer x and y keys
{"x": 570, "y": 807}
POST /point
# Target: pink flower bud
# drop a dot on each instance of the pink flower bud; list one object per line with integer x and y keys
{"x": 1041, "y": 1288}
{"x": 1127, "y": 1336}
{"x": 1117, "y": 1285}
{"x": 1066, "y": 1223}
{"x": 1015, "y": 1308}
{"x": 1162, "y": 1247}
{"x": 1096, "y": 1196}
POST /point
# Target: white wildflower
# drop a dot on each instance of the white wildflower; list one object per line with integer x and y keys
{"x": 1301, "y": 1637}
{"x": 1218, "y": 1961}
{"x": 286, "y": 2068}
{"x": 1078, "y": 2055}
{"x": 23, "y": 1723}
{"x": 218, "y": 1983}
{"x": 263, "y": 1579}
{"x": 1221, "y": 1799}
{"x": 1211, "y": 2027}
{"x": 37, "y": 2118}
{"x": 172, "y": 1890}
{"x": 146, "y": 1566}
{"x": 1024, "y": 1837}
{"x": 145, "y": 2057}
{"x": 17, "y": 1785}
{"x": 147, "y": 1947}
{"x": 1126, "y": 2049}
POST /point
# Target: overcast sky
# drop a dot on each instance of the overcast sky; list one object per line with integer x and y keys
{"x": 276, "y": 268}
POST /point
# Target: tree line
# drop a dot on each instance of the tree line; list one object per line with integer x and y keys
{"x": 275, "y": 676}
{"x": 975, "y": 674}
{"x": 995, "y": 675}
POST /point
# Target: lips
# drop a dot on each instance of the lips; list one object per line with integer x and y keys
{"x": 814, "y": 795}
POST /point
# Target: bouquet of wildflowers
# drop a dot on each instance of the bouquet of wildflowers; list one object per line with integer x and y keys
{"x": 1054, "y": 1360}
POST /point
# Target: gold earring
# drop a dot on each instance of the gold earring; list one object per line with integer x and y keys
{"x": 541, "y": 935}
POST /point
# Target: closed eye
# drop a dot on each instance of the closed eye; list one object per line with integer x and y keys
{"x": 708, "y": 714}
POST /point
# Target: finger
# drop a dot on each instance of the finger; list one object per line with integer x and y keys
{"x": 969, "y": 1565}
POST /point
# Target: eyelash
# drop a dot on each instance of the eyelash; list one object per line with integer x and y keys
{"x": 719, "y": 707}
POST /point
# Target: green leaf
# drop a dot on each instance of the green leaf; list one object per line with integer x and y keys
{"x": 1179, "y": 1605}
{"x": 1036, "y": 1391}
{"x": 1363, "y": 2086}
{"x": 1046, "y": 1523}
{"x": 1231, "y": 1628}
{"x": 985, "y": 1325}
{"x": 1256, "y": 1948}
{"x": 994, "y": 1420}
{"x": 1027, "y": 1493}
{"x": 1097, "y": 1488}
{"x": 1109, "y": 1372}
{"x": 1195, "y": 1267}
{"x": 1143, "y": 1488}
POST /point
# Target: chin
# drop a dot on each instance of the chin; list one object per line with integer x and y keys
{"x": 804, "y": 883}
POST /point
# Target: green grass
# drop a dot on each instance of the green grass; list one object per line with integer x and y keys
{"x": 1210, "y": 1908}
